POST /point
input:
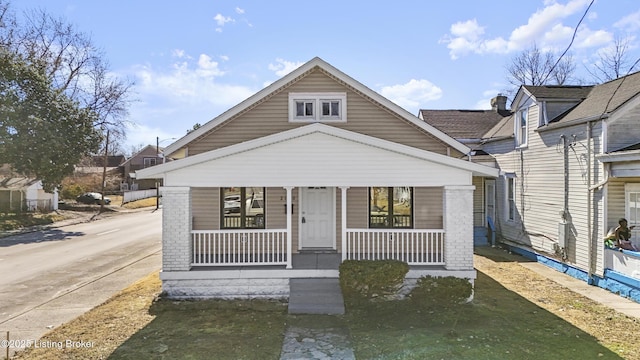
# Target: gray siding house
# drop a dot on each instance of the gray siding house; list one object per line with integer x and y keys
{"x": 314, "y": 166}
{"x": 569, "y": 169}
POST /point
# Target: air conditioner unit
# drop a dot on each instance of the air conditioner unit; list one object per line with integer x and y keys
{"x": 563, "y": 234}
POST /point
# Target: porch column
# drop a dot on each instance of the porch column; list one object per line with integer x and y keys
{"x": 458, "y": 227}
{"x": 176, "y": 228}
{"x": 343, "y": 213}
{"x": 289, "y": 224}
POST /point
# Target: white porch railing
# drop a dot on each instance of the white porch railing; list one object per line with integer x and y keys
{"x": 239, "y": 247}
{"x": 413, "y": 246}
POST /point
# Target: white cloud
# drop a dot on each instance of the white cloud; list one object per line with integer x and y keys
{"x": 544, "y": 27}
{"x": 189, "y": 83}
{"x": 413, "y": 94}
{"x": 629, "y": 23}
{"x": 239, "y": 10}
{"x": 283, "y": 67}
{"x": 222, "y": 20}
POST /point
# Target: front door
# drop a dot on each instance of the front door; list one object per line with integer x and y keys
{"x": 317, "y": 218}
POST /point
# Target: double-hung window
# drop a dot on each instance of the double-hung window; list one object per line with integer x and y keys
{"x": 149, "y": 161}
{"x": 242, "y": 208}
{"x": 510, "y": 197}
{"x": 521, "y": 127}
{"x": 390, "y": 207}
{"x": 317, "y": 107}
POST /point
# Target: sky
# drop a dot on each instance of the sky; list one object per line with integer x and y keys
{"x": 191, "y": 60}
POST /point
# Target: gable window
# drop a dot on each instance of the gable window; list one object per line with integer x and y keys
{"x": 149, "y": 161}
{"x": 390, "y": 207}
{"x": 317, "y": 107}
{"x": 242, "y": 208}
{"x": 521, "y": 127}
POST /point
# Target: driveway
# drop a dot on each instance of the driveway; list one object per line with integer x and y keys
{"x": 52, "y": 276}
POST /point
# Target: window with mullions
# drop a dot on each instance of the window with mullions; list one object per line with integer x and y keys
{"x": 242, "y": 208}
{"x": 390, "y": 207}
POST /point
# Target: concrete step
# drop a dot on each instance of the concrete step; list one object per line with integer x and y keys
{"x": 315, "y": 296}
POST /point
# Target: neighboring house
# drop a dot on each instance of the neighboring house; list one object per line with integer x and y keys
{"x": 314, "y": 166}
{"x": 95, "y": 164}
{"x": 149, "y": 156}
{"x": 469, "y": 127}
{"x": 24, "y": 194}
{"x": 570, "y": 168}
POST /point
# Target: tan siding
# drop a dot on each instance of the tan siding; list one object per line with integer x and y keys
{"x": 478, "y": 201}
{"x": 205, "y": 208}
{"x": 357, "y": 208}
{"x": 428, "y": 205}
{"x": 363, "y": 116}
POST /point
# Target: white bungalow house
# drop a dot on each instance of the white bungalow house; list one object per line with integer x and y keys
{"x": 315, "y": 166}
{"x": 569, "y": 158}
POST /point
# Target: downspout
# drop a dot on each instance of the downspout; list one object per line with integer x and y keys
{"x": 590, "y": 251}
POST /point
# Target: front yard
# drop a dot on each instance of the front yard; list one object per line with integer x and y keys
{"x": 516, "y": 314}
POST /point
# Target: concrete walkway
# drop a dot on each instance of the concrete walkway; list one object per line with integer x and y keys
{"x": 315, "y": 296}
{"x": 304, "y": 343}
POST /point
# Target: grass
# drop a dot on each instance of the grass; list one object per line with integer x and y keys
{"x": 13, "y": 221}
{"x": 514, "y": 315}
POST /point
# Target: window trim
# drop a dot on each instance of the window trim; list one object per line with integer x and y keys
{"x": 318, "y": 99}
{"x": 518, "y": 128}
{"x": 509, "y": 201}
{"x": 243, "y": 210}
{"x": 149, "y": 158}
{"x": 390, "y": 212}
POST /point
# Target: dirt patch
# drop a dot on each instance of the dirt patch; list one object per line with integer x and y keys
{"x": 616, "y": 331}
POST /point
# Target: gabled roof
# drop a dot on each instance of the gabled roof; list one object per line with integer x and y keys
{"x": 16, "y": 183}
{"x": 293, "y": 76}
{"x": 502, "y": 130}
{"x": 558, "y": 92}
{"x": 604, "y": 99}
{"x": 153, "y": 147}
{"x": 464, "y": 124}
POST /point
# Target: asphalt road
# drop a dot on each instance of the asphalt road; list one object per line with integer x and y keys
{"x": 52, "y": 276}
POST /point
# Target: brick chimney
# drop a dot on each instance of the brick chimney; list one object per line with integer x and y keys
{"x": 499, "y": 103}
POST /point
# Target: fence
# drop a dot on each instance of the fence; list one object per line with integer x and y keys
{"x": 130, "y": 196}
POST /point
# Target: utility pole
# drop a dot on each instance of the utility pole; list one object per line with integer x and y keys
{"x": 104, "y": 171}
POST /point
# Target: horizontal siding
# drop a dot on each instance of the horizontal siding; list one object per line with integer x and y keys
{"x": 428, "y": 208}
{"x": 539, "y": 194}
{"x": 478, "y": 201}
{"x": 363, "y": 116}
{"x": 205, "y": 208}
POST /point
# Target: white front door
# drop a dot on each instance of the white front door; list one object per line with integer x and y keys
{"x": 317, "y": 217}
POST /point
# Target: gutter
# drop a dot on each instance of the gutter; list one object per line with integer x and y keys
{"x": 553, "y": 126}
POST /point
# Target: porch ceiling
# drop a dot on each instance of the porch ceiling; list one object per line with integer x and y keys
{"x": 318, "y": 155}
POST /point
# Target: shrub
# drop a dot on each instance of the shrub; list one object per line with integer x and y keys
{"x": 71, "y": 191}
{"x": 440, "y": 292}
{"x": 369, "y": 279}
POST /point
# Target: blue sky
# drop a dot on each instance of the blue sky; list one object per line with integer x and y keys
{"x": 192, "y": 60}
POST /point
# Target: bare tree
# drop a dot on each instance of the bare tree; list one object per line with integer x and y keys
{"x": 534, "y": 67}
{"x": 612, "y": 62}
{"x": 74, "y": 64}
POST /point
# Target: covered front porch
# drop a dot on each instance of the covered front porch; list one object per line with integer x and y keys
{"x": 324, "y": 191}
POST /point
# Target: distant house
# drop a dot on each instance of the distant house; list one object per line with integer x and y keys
{"x": 569, "y": 160}
{"x": 95, "y": 164}
{"x": 23, "y": 194}
{"x": 312, "y": 170}
{"x": 148, "y": 156}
